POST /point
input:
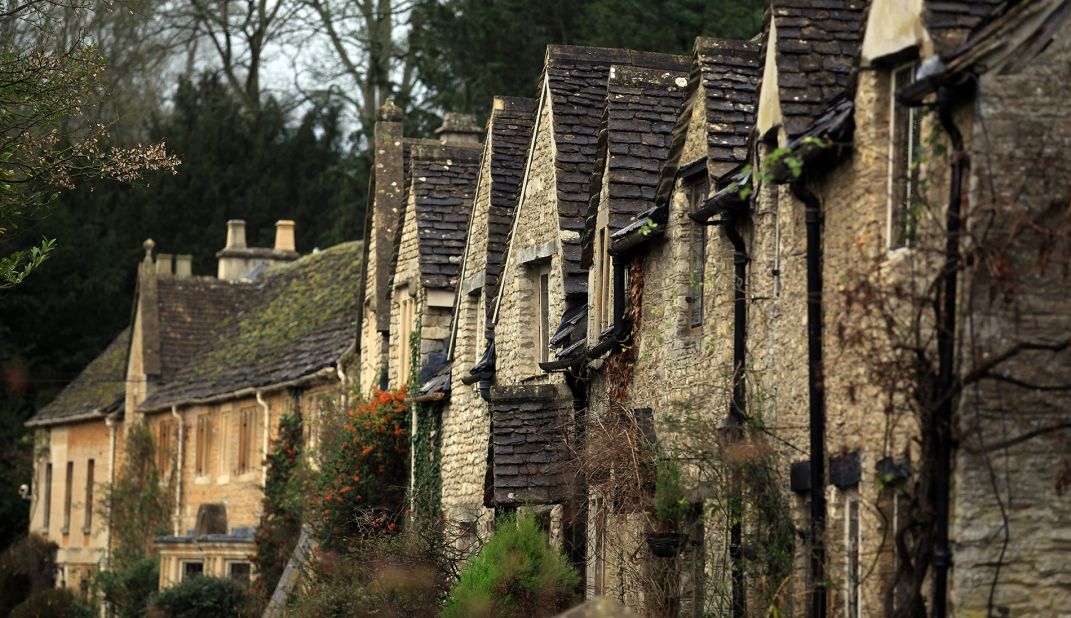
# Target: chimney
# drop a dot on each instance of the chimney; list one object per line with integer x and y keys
{"x": 459, "y": 128}
{"x": 235, "y": 234}
{"x": 183, "y": 265}
{"x": 163, "y": 263}
{"x": 284, "y": 236}
{"x": 387, "y": 204}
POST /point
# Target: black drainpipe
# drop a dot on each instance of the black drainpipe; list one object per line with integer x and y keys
{"x": 816, "y": 393}
{"x": 737, "y": 405}
{"x": 946, "y": 330}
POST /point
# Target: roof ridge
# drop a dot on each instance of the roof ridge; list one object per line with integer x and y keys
{"x": 707, "y": 45}
{"x": 611, "y": 55}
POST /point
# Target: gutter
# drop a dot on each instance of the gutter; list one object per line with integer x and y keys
{"x": 816, "y": 396}
{"x": 178, "y": 469}
{"x": 111, "y": 421}
{"x": 325, "y": 373}
{"x": 946, "y": 333}
{"x": 267, "y": 431}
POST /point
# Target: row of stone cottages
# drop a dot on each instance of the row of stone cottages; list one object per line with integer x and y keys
{"x": 738, "y": 261}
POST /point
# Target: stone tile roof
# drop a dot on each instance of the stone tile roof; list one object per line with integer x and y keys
{"x": 528, "y": 440}
{"x": 295, "y": 320}
{"x": 190, "y": 310}
{"x": 641, "y": 110}
{"x": 99, "y": 389}
{"x": 730, "y": 72}
{"x": 511, "y": 135}
{"x": 577, "y": 80}
{"x": 817, "y": 45}
{"x": 443, "y": 182}
{"x": 949, "y": 22}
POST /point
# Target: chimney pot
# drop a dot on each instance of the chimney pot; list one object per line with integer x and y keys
{"x": 284, "y": 236}
{"x": 458, "y": 128}
{"x": 183, "y": 265}
{"x": 235, "y": 234}
{"x": 163, "y": 263}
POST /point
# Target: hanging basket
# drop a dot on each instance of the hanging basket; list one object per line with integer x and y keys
{"x": 666, "y": 544}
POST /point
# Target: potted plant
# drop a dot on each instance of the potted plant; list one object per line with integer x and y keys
{"x": 671, "y": 507}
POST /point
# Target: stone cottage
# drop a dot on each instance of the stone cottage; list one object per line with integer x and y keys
{"x": 210, "y": 366}
{"x": 465, "y": 421}
{"x": 73, "y": 456}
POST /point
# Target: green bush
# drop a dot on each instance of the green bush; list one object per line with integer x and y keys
{"x": 670, "y": 502}
{"x": 197, "y": 597}
{"x": 128, "y": 589}
{"x": 52, "y": 602}
{"x": 515, "y": 574}
{"x": 26, "y": 567}
{"x": 336, "y": 591}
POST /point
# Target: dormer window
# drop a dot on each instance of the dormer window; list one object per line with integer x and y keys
{"x": 603, "y": 278}
{"x": 697, "y": 192}
{"x": 541, "y": 309}
{"x": 406, "y": 321}
{"x": 903, "y": 164}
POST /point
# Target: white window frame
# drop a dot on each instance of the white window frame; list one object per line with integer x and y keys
{"x": 893, "y": 204}
{"x": 406, "y": 327}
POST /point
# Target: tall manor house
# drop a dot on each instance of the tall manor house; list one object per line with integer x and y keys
{"x": 783, "y": 323}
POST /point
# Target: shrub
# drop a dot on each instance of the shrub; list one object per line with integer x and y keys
{"x": 26, "y": 567}
{"x": 364, "y": 464}
{"x": 52, "y": 602}
{"x": 516, "y": 573}
{"x": 670, "y": 502}
{"x": 336, "y": 590}
{"x": 128, "y": 589}
{"x": 197, "y": 597}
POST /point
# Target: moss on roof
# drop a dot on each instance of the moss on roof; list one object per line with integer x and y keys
{"x": 297, "y": 318}
{"x": 99, "y": 388}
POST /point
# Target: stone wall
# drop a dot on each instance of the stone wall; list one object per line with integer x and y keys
{"x": 536, "y": 225}
{"x": 1020, "y": 172}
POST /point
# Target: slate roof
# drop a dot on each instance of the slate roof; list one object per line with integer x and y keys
{"x": 949, "y": 22}
{"x": 511, "y": 135}
{"x": 99, "y": 389}
{"x": 443, "y": 182}
{"x": 817, "y": 45}
{"x": 296, "y": 319}
{"x": 577, "y": 80}
{"x": 190, "y": 310}
{"x": 730, "y": 72}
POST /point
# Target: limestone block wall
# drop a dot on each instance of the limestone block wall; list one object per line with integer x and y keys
{"x": 406, "y": 281}
{"x": 80, "y": 547}
{"x": 1021, "y": 171}
{"x": 536, "y": 225}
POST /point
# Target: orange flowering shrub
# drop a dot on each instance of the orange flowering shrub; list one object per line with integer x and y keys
{"x": 364, "y": 464}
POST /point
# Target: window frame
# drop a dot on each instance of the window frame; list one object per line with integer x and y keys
{"x": 87, "y": 525}
{"x": 853, "y": 540}
{"x": 68, "y": 495}
{"x": 183, "y": 564}
{"x": 48, "y": 497}
{"x": 229, "y": 566}
{"x": 541, "y": 302}
{"x": 204, "y": 444}
{"x": 406, "y": 328}
{"x": 903, "y": 160}
{"x": 246, "y": 439}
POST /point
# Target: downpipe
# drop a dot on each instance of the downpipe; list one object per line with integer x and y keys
{"x": 816, "y": 396}
{"x": 946, "y": 313}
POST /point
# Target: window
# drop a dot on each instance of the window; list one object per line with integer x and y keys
{"x": 246, "y": 443}
{"x": 48, "y": 496}
{"x": 851, "y": 544}
{"x": 541, "y": 279}
{"x": 603, "y": 279}
{"x": 904, "y": 171}
{"x": 239, "y": 570}
{"x": 87, "y": 526}
{"x": 204, "y": 443}
{"x": 67, "y": 497}
{"x": 163, "y": 446}
{"x": 406, "y": 323}
{"x": 697, "y": 255}
{"x": 192, "y": 568}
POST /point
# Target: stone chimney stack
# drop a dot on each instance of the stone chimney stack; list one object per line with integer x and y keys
{"x": 235, "y": 234}
{"x": 459, "y": 128}
{"x": 237, "y": 261}
{"x": 284, "y": 236}
{"x": 183, "y": 265}
{"x": 163, "y": 264}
